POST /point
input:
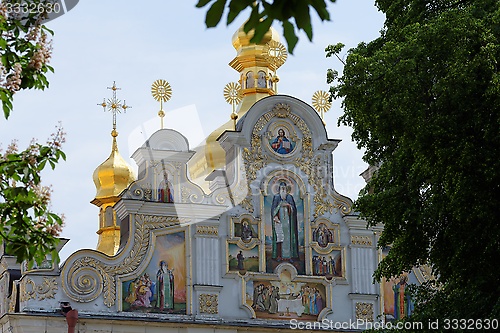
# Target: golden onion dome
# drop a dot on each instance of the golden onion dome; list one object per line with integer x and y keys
{"x": 113, "y": 175}
{"x": 242, "y": 39}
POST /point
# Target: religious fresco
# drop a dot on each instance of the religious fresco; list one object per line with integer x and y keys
{"x": 280, "y": 143}
{"x": 286, "y": 299}
{"x": 245, "y": 230}
{"x": 329, "y": 265}
{"x": 397, "y": 302}
{"x": 323, "y": 235}
{"x": 165, "y": 190}
{"x": 284, "y": 224}
{"x": 243, "y": 260}
{"x": 161, "y": 287}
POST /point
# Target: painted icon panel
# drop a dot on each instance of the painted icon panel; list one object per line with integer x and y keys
{"x": 286, "y": 300}
{"x": 397, "y": 301}
{"x": 323, "y": 235}
{"x": 284, "y": 224}
{"x": 161, "y": 287}
{"x": 329, "y": 265}
{"x": 245, "y": 230}
{"x": 280, "y": 143}
{"x": 243, "y": 260}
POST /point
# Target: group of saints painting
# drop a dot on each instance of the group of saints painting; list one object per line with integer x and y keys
{"x": 268, "y": 298}
{"x": 143, "y": 292}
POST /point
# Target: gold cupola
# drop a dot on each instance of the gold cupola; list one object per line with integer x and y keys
{"x": 113, "y": 175}
{"x": 110, "y": 178}
{"x": 256, "y": 64}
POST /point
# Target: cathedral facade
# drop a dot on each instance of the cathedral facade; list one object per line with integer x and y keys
{"x": 245, "y": 233}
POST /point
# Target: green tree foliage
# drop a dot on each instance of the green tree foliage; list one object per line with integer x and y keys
{"x": 25, "y": 48}
{"x": 293, "y": 15}
{"x": 28, "y": 227}
{"x": 423, "y": 99}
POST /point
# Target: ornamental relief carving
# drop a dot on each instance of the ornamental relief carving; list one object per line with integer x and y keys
{"x": 232, "y": 195}
{"x": 364, "y": 311}
{"x": 13, "y": 297}
{"x": 191, "y": 194}
{"x": 31, "y": 290}
{"x": 209, "y": 303}
{"x": 88, "y": 277}
{"x": 361, "y": 240}
{"x": 207, "y": 230}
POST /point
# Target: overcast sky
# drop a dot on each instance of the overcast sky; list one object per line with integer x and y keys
{"x": 137, "y": 42}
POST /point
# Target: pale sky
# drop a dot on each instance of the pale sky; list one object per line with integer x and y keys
{"x": 135, "y": 43}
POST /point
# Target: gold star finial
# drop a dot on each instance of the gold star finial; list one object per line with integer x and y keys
{"x": 114, "y": 105}
{"x": 321, "y": 103}
{"x": 275, "y": 53}
{"x": 232, "y": 95}
{"x": 162, "y": 92}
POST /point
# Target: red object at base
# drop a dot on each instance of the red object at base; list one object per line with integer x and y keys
{"x": 72, "y": 319}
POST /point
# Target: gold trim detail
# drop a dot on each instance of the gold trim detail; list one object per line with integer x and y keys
{"x": 143, "y": 193}
{"x": 361, "y": 240}
{"x": 161, "y": 90}
{"x": 423, "y": 273}
{"x": 364, "y": 311}
{"x": 232, "y": 93}
{"x": 13, "y": 298}
{"x": 321, "y": 103}
{"x": 155, "y": 222}
{"x": 281, "y": 110}
{"x": 207, "y": 230}
{"x": 47, "y": 289}
{"x": 275, "y": 53}
{"x": 88, "y": 277}
{"x": 209, "y": 303}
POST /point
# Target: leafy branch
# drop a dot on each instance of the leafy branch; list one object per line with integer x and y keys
{"x": 29, "y": 228}
{"x": 294, "y": 15}
{"x": 25, "y": 51}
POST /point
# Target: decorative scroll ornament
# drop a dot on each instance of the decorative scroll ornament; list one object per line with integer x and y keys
{"x": 185, "y": 193}
{"x": 209, "y": 303}
{"x": 423, "y": 273}
{"x": 47, "y": 289}
{"x": 364, "y": 311}
{"x": 162, "y": 92}
{"x": 232, "y": 95}
{"x": 88, "y": 277}
{"x": 188, "y": 196}
{"x": 321, "y": 103}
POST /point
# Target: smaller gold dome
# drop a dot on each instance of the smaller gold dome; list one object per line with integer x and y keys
{"x": 241, "y": 39}
{"x": 113, "y": 175}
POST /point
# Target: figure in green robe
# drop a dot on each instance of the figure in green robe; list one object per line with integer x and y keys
{"x": 164, "y": 287}
{"x": 285, "y": 240}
